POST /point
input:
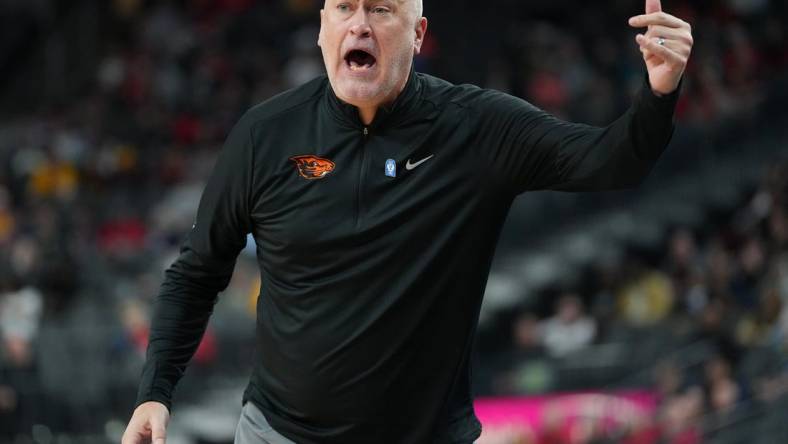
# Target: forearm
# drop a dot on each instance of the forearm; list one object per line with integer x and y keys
{"x": 622, "y": 154}
{"x": 527, "y": 148}
{"x": 203, "y": 268}
{"x": 180, "y": 315}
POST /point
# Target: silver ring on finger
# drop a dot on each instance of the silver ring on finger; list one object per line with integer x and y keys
{"x": 661, "y": 41}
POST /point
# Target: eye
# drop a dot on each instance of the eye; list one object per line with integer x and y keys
{"x": 380, "y": 10}
{"x": 343, "y": 7}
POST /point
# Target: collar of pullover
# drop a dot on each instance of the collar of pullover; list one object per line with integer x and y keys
{"x": 403, "y": 106}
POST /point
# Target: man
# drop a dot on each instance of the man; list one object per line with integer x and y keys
{"x": 376, "y": 196}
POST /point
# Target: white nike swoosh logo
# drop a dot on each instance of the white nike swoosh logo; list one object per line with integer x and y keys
{"x": 409, "y": 166}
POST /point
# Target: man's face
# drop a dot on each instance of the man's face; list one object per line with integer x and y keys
{"x": 368, "y": 47}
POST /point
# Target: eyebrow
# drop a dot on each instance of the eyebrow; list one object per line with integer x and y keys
{"x": 398, "y": 3}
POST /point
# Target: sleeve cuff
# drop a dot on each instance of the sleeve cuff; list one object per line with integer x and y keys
{"x": 153, "y": 389}
{"x": 664, "y": 104}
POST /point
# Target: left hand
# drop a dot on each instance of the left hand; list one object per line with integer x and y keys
{"x": 665, "y": 62}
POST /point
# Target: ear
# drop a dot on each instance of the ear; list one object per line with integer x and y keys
{"x": 421, "y": 31}
{"x": 320, "y": 34}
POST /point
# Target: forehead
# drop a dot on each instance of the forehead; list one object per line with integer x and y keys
{"x": 398, "y": 2}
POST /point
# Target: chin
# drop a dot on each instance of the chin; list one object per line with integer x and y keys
{"x": 360, "y": 93}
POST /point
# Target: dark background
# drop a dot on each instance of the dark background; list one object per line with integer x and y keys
{"x": 112, "y": 113}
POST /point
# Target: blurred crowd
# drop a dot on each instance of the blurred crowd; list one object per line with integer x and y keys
{"x": 705, "y": 314}
{"x": 99, "y": 182}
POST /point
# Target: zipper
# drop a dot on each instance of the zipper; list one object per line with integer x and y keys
{"x": 360, "y": 183}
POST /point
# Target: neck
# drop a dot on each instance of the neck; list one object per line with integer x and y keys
{"x": 367, "y": 113}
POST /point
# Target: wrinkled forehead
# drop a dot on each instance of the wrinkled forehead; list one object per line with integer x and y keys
{"x": 416, "y": 6}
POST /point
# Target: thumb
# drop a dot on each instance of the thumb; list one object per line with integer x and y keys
{"x": 653, "y": 6}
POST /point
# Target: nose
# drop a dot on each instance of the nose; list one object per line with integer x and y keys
{"x": 360, "y": 26}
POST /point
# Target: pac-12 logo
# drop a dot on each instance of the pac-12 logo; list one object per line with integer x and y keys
{"x": 313, "y": 167}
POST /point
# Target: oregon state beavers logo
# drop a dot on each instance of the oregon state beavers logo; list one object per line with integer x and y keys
{"x": 313, "y": 167}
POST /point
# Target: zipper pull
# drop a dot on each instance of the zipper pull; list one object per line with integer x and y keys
{"x": 366, "y": 131}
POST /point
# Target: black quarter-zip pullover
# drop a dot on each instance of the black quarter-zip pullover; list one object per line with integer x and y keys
{"x": 374, "y": 245}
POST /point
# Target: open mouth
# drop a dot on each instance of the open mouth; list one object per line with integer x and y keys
{"x": 359, "y": 60}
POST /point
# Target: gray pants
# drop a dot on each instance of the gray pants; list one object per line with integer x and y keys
{"x": 253, "y": 428}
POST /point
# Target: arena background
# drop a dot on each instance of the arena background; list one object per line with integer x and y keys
{"x": 656, "y": 315}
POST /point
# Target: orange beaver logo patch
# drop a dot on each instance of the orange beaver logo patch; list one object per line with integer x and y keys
{"x": 313, "y": 167}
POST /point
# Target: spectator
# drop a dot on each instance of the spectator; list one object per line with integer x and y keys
{"x": 646, "y": 298}
{"x": 570, "y": 329}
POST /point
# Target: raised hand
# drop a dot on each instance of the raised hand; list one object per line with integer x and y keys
{"x": 666, "y": 46}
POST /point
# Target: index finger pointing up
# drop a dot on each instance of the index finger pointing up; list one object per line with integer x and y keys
{"x": 653, "y": 6}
